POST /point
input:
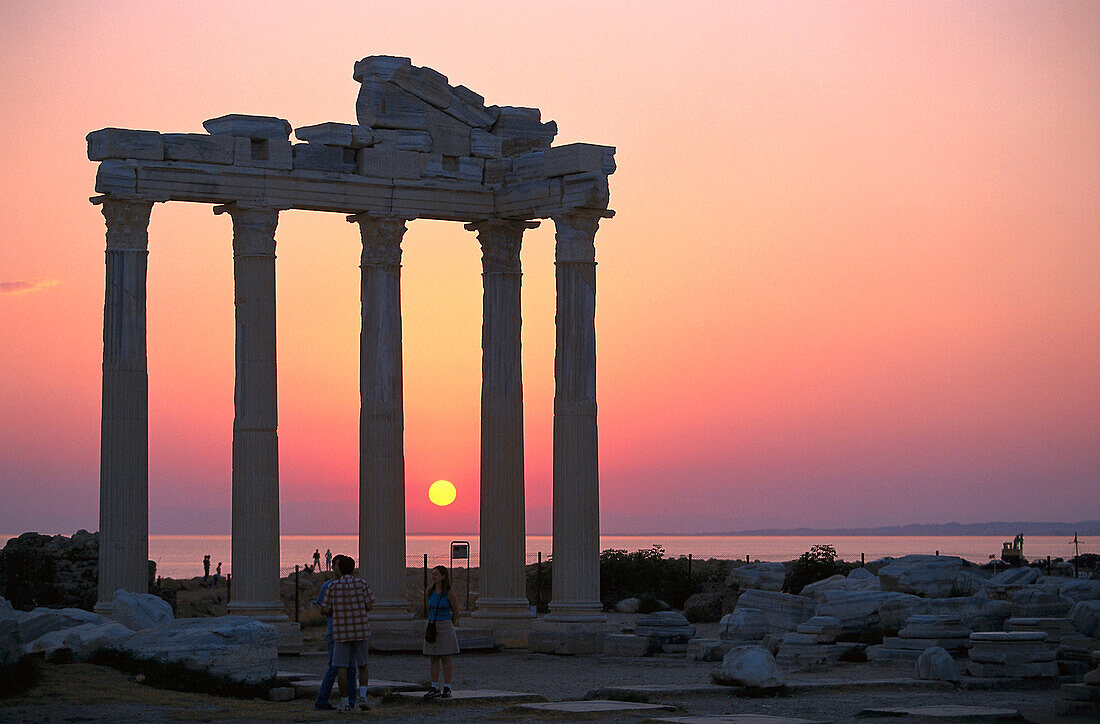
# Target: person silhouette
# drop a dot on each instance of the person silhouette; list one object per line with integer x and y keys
{"x": 317, "y": 559}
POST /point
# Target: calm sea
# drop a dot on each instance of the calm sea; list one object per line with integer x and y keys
{"x": 180, "y": 556}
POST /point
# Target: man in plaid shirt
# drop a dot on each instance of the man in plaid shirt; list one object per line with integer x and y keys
{"x": 346, "y": 602}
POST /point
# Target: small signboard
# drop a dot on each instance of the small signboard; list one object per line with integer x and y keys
{"x": 460, "y": 550}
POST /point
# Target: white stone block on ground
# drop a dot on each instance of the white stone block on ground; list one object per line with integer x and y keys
{"x": 1020, "y": 576}
{"x": 935, "y": 664}
{"x": 1086, "y": 618}
{"x": 749, "y": 666}
{"x": 124, "y": 143}
{"x": 783, "y": 611}
{"x": 11, "y": 637}
{"x": 955, "y": 712}
{"x": 40, "y": 621}
{"x": 1080, "y": 590}
{"x": 137, "y": 611}
{"x": 625, "y": 645}
{"x": 236, "y": 648}
{"x": 767, "y": 576}
{"x": 475, "y": 695}
{"x": 923, "y": 575}
{"x": 593, "y": 706}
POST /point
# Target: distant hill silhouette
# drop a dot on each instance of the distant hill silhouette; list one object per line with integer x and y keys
{"x": 1084, "y": 527}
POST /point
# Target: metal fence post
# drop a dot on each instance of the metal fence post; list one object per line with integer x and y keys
{"x": 228, "y": 587}
{"x": 296, "y": 588}
{"x": 538, "y": 584}
{"x": 689, "y": 574}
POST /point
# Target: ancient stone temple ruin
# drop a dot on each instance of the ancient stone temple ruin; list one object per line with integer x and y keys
{"x": 422, "y": 149}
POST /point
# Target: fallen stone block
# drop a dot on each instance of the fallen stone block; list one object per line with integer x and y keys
{"x": 935, "y": 664}
{"x": 578, "y": 158}
{"x": 337, "y": 134}
{"x": 137, "y": 611}
{"x": 750, "y": 666}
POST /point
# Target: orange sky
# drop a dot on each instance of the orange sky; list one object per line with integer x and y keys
{"x": 854, "y": 278}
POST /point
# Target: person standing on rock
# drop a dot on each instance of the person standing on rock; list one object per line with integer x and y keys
{"x": 206, "y": 568}
{"x": 346, "y": 601}
{"x": 316, "y": 560}
{"x": 328, "y": 559}
{"x": 443, "y": 617}
{"x": 324, "y": 693}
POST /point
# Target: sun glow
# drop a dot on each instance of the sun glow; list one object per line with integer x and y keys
{"x": 442, "y": 492}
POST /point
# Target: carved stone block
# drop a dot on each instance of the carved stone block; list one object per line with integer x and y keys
{"x": 419, "y": 141}
{"x": 198, "y": 148}
{"x": 382, "y": 163}
{"x": 449, "y": 137}
{"x": 528, "y": 166}
{"x": 579, "y": 158}
{"x": 463, "y": 168}
{"x": 381, "y": 104}
{"x": 484, "y": 144}
{"x": 121, "y": 143}
{"x": 258, "y": 127}
{"x": 522, "y": 130}
{"x": 337, "y": 134}
{"x": 263, "y": 153}
{"x": 319, "y": 157}
{"x": 380, "y": 66}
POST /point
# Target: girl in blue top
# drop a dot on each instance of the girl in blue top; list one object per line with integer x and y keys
{"x": 443, "y": 610}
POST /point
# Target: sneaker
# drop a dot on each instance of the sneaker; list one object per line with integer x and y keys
{"x": 363, "y": 704}
{"x": 446, "y": 693}
{"x": 345, "y": 706}
{"x": 325, "y": 705}
{"x": 433, "y": 693}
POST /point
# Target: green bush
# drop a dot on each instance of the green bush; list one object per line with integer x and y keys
{"x": 815, "y": 564}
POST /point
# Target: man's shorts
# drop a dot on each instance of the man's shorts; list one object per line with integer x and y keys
{"x": 343, "y": 651}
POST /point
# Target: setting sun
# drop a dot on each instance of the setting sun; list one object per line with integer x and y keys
{"x": 442, "y": 492}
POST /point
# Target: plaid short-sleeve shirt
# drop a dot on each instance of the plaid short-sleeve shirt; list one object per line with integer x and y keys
{"x": 348, "y": 597}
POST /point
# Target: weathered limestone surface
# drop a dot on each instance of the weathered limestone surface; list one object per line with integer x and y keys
{"x": 137, "y": 611}
{"x": 122, "y": 143}
{"x": 750, "y": 666}
{"x": 41, "y": 621}
{"x": 82, "y": 641}
{"x": 856, "y": 610}
{"x": 1086, "y": 618}
{"x": 744, "y": 625}
{"x": 936, "y": 664}
{"x": 255, "y": 540}
{"x": 1020, "y": 576}
{"x": 124, "y": 431}
{"x": 765, "y": 576}
{"x": 237, "y": 648}
{"x": 783, "y": 611}
{"x": 922, "y": 575}
{"x": 381, "y": 416}
{"x": 11, "y": 636}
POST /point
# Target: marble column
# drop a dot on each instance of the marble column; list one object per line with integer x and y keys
{"x": 124, "y": 434}
{"x": 255, "y": 543}
{"x": 381, "y": 418}
{"x": 503, "y": 587}
{"x": 576, "y": 546}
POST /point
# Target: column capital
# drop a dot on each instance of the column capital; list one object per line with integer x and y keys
{"x": 500, "y": 241}
{"x": 575, "y": 234}
{"x": 127, "y": 223}
{"x": 253, "y": 228}
{"x": 381, "y": 237}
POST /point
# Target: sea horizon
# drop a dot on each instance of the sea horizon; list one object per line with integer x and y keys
{"x": 180, "y": 555}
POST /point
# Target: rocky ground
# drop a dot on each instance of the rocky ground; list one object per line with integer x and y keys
{"x": 87, "y": 693}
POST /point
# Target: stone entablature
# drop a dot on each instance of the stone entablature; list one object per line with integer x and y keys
{"x": 422, "y": 149}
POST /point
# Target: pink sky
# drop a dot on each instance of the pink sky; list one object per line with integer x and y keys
{"x": 854, "y": 278}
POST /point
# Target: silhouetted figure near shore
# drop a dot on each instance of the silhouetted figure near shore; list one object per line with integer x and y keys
{"x": 206, "y": 568}
{"x": 317, "y": 559}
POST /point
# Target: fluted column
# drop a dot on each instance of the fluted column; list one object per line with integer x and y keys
{"x": 503, "y": 587}
{"x": 255, "y": 542}
{"x": 381, "y": 418}
{"x": 124, "y": 433}
{"x": 576, "y": 546}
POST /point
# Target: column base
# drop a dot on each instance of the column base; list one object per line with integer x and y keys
{"x": 288, "y": 637}
{"x": 509, "y": 619}
{"x": 567, "y": 638}
{"x": 582, "y": 612}
{"x": 103, "y": 608}
{"x": 390, "y": 611}
{"x": 271, "y": 612}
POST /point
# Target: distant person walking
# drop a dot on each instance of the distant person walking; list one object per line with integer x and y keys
{"x": 218, "y": 572}
{"x": 324, "y": 693}
{"x": 206, "y": 568}
{"x": 317, "y": 560}
{"x": 328, "y": 559}
{"x": 347, "y": 601}
{"x": 443, "y": 613}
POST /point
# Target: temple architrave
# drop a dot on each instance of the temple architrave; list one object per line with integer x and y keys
{"x": 422, "y": 149}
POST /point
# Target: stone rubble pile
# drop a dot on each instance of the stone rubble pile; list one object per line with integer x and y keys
{"x": 1011, "y": 654}
{"x": 922, "y": 632}
{"x": 813, "y": 646}
{"x": 1082, "y": 699}
{"x": 667, "y": 631}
